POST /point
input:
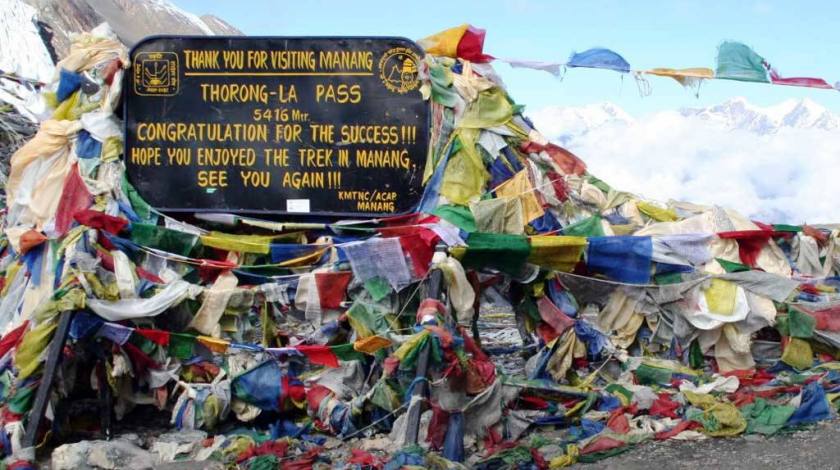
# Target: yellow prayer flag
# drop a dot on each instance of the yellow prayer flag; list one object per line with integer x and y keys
{"x": 304, "y": 260}
{"x": 410, "y": 344}
{"x": 214, "y": 344}
{"x": 444, "y": 43}
{"x": 685, "y": 76}
{"x": 371, "y": 344}
{"x": 656, "y": 213}
{"x": 556, "y": 252}
{"x": 720, "y": 296}
{"x": 245, "y": 243}
{"x": 798, "y": 354}
{"x": 520, "y": 186}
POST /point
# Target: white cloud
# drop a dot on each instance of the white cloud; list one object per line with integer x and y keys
{"x": 785, "y": 177}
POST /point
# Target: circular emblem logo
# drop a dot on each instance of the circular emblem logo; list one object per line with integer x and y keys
{"x": 398, "y": 70}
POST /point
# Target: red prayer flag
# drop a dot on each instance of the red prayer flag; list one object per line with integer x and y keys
{"x": 148, "y": 276}
{"x": 664, "y": 407}
{"x": 420, "y": 250}
{"x": 30, "y": 239}
{"x": 100, "y": 220}
{"x": 680, "y": 427}
{"x": 139, "y": 359}
{"x": 11, "y": 338}
{"x": 750, "y": 243}
{"x": 437, "y": 427}
{"x": 314, "y": 396}
{"x": 809, "y": 82}
{"x": 567, "y": 161}
{"x": 559, "y": 185}
{"x": 600, "y": 444}
{"x": 74, "y": 198}
{"x": 553, "y": 316}
{"x": 618, "y": 422}
{"x": 319, "y": 354}
{"x": 156, "y": 336}
{"x": 471, "y": 46}
{"x": 362, "y": 459}
{"x": 332, "y": 288}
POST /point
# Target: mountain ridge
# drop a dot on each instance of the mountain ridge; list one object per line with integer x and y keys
{"x": 131, "y": 20}
{"x": 565, "y": 123}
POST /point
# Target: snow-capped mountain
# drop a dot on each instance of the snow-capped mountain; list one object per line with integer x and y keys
{"x": 34, "y": 34}
{"x": 23, "y": 53}
{"x": 565, "y": 124}
{"x": 766, "y": 162}
{"x": 738, "y": 113}
{"x": 131, "y": 20}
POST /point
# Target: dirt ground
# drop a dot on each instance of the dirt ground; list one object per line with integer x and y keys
{"x": 816, "y": 447}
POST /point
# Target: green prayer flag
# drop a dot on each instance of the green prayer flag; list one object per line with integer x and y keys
{"x": 695, "y": 355}
{"x": 507, "y": 253}
{"x": 800, "y": 324}
{"x": 650, "y": 375}
{"x": 264, "y": 462}
{"x": 442, "y": 91}
{"x": 459, "y": 216}
{"x": 764, "y": 418}
{"x": 378, "y": 287}
{"x": 787, "y": 228}
{"x": 599, "y": 184}
{"x": 181, "y": 345}
{"x": 345, "y": 352}
{"x": 529, "y": 308}
{"x": 731, "y": 266}
{"x": 140, "y": 206}
{"x": 590, "y": 227}
{"x": 783, "y": 325}
{"x": 365, "y": 320}
{"x": 616, "y": 388}
{"x": 21, "y": 401}
{"x": 667, "y": 278}
{"x": 736, "y": 61}
{"x": 163, "y": 238}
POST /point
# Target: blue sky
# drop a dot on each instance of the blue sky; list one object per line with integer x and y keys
{"x": 798, "y": 38}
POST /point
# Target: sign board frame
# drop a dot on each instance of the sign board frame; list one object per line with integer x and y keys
{"x": 292, "y": 205}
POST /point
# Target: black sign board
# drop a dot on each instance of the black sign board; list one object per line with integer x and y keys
{"x": 327, "y": 126}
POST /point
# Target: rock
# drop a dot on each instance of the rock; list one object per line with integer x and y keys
{"x": 132, "y": 438}
{"x": 167, "y": 447}
{"x": 116, "y": 454}
{"x": 182, "y": 437}
{"x": 332, "y": 443}
{"x": 383, "y": 443}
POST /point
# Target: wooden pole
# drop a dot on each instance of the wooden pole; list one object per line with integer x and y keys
{"x": 416, "y": 408}
{"x": 36, "y": 415}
